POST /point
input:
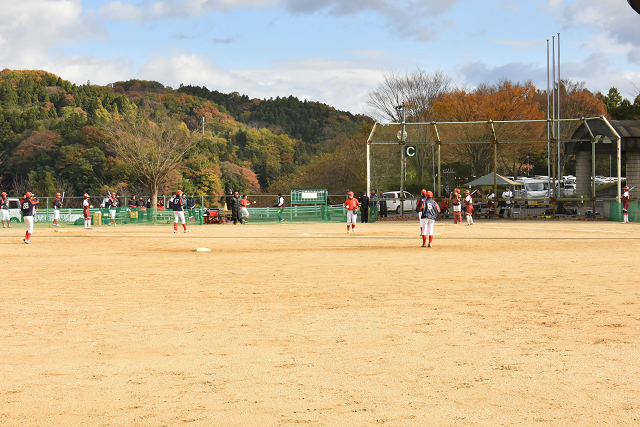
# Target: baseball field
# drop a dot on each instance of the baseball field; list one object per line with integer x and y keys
{"x": 510, "y": 323}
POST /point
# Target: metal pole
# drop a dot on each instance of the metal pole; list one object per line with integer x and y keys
{"x": 559, "y": 136}
{"x": 369, "y": 158}
{"x": 402, "y": 162}
{"x": 553, "y": 115}
{"x": 548, "y": 123}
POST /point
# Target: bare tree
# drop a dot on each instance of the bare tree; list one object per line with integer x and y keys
{"x": 152, "y": 148}
{"x": 417, "y": 91}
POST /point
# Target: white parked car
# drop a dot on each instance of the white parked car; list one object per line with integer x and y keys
{"x": 14, "y": 209}
{"x": 393, "y": 201}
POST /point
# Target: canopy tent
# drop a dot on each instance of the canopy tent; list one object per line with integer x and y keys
{"x": 487, "y": 180}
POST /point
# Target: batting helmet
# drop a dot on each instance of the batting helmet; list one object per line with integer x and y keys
{"x": 429, "y": 194}
{"x": 86, "y": 196}
{"x": 457, "y": 190}
{"x": 625, "y": 189}
{"x": 467, "y": 192}
{"x": 28, "y": 194}
{"x": 424, "y": 192}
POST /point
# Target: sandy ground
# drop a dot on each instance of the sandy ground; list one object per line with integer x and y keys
{"x": 500, "y": 324}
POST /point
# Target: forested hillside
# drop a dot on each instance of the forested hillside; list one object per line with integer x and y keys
{"x": 56, "y": 136}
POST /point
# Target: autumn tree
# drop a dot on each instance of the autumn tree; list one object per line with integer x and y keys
{"x": 503, "y": 101}
{"x": 153, "y": 148}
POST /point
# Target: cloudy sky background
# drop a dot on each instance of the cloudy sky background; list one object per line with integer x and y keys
{"x": 331, "y": 51}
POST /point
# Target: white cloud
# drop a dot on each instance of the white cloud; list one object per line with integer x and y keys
{"x": 30, "y": 27}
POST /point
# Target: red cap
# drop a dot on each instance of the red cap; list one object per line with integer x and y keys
{"x": 424, "y": 192}
{"x": 4, "y": 194}
{"x": 429, "y": 194}
{"x": 28, "y": 194}
{"x": 86, "y": 196}
{"x": 179, "y": 192}
{"x": 350, "y": 193}
{"x": 57, "y": 194}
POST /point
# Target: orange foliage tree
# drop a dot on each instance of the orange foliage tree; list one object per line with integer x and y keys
{"x": 503, "y": 101}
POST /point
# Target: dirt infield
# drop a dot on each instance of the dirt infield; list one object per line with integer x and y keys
{"x": 502, "y": 323}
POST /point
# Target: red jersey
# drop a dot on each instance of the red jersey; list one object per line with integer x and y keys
{"x": 351, "y": 204}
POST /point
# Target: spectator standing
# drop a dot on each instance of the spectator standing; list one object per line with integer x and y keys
{"x": 364, "y": 207}
{"x": 382, "y": 202}
{"x": 191, "y": 205}
{"x": 235, "y": 208}
{"x": 505, "y": 204}
{"x": 373, "y": 200}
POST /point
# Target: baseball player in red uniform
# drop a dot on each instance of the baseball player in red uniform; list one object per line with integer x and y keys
{"x": 4, "y": 208}
{"x": 28, "y": 207}
{"x": 352, "y": 207}
{"x": 85, "y": 210}
{"x": 469, "y": 201}
{"x": 625, "y": 205}
{"x": 178, "y": 211}
{"x": 430, "y": 211}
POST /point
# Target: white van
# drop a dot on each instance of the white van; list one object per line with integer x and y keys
{"x": 532, "y": 189}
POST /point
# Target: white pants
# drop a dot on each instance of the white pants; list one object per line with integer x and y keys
{"x": 427, "y": 226}
{"x": 56, "y": 214}
{"x": 351, "y": 217}
{"x": 28, "y": 220}
{"x": 457, "y": 208}
{"x": 178, "y": 214}
{"x": 112, "y": 212}
{"x": 5, "y": 214}
{"x": 245, "y": 212}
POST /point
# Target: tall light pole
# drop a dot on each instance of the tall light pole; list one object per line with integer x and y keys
{"x": 402, "y": 137}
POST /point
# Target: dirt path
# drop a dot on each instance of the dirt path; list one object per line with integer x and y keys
{"x": 510, "y": 323}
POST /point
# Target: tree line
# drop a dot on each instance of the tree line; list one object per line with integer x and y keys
{"x": 57, "y": 136}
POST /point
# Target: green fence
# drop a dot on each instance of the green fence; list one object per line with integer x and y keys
{"x": 615, "y": 213}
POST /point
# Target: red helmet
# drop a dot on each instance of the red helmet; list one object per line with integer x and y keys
{"x": 424, "y": 192}
{"x": 179, "y": 192}
{"x": 457, "y": 190}
{"x": 625, "y": 189}
{"x": 350, "y": 193}
{"x": 28, "y": 194}
{"x": 86, "y": 196}
{"x": 429, "y": 194}
{"x": 467, "y": 192}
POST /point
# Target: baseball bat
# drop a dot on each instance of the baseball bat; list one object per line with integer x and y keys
{"x": 632, "y": 188}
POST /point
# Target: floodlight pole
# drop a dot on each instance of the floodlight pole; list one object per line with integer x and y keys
{"x": 402, "y": 160}
{"x": 369, "y": 158}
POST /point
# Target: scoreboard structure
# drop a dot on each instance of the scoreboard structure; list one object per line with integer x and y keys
{"x": 308, "y": 196}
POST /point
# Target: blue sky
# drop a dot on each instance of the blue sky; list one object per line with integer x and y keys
{"x": 331, "y": 51}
